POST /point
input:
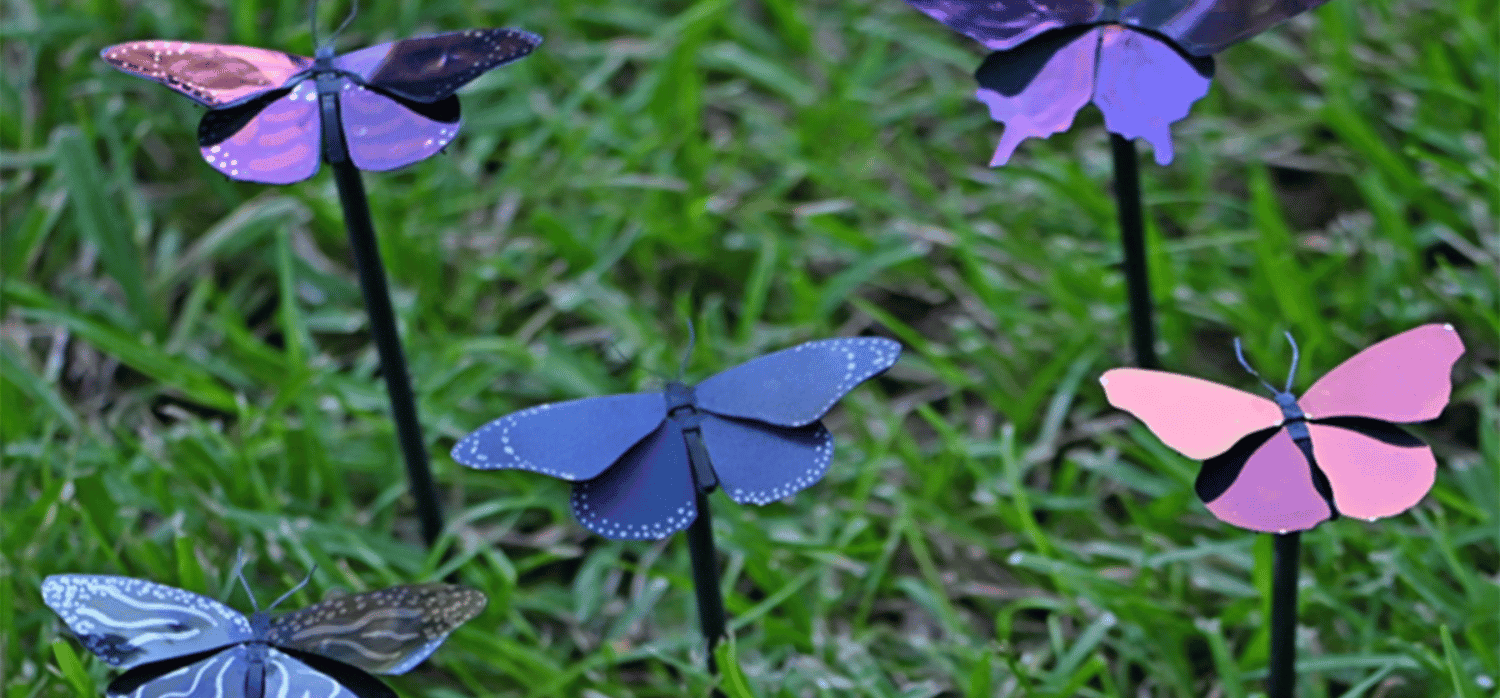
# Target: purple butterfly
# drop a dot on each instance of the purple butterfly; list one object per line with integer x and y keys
{"x": 273, "y": 115}
{"x": 1143, "y": 66}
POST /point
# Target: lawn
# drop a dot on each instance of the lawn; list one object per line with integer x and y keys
{"x": 188, "y": 370}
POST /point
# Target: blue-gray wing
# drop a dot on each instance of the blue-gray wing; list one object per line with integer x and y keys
{"x": 574, "y": 440}
{"x": 759, "y": 463}
{"x": 286, "y": 676}
{"x": 1205, "y": 27}
{"x": 220, "y": 675}
{"x": 797, "y": 386}
{"x": 384, "y": 632}
{"x": 129, "y": 622}
{"x": 648, "y": 495}
{"x": 1003, "y": 24}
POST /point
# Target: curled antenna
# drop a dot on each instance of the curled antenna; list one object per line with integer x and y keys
{"x": 692, "y": 339}
{"x": 294, "y": 589}
{"x": 239, "y": 571}
{"x": 1239, "y": 353}
{"x": 1291, "y": 375}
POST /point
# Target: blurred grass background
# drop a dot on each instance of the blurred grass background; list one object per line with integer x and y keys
{"x": 187, "y": 371}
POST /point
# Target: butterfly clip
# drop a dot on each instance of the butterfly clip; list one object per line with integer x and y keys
{"x": 1143, "y": 66}
{"x": 174, "y": 643}
{"x": 1290, "y": 463}
{"x": 273, "y": 116}
{"x": 638, "y": 461}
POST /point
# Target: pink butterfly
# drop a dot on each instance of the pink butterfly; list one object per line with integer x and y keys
{"x": 1289, "y": 464}
{"x": 274, "y": 116}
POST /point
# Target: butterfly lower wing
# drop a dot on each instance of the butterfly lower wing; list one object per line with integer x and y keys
{"x": 129, "y": 622}
{"x": 1204, "y": 27}
{"x": 288, "y": 676}
{"x": 383, "y": 132}
{"x": 647, "y": 495}
{"x": 1374, "y": 472}
{"x": 1269, "y": 486}
{"x": 1037, "y": 88}
{"x": 273, "y": 139}
{"x": 759, "y": 464}
{"x": 797, "y": 386}
{"x": 1143, "y": 85}
{"x": 1004, "y": 24}
{"x": 1196, "y": 417}
{"x": 574, "y": 440}
{"x": 430, "y": 68}
{"x": 219, "y": 674}
{"x": 214, "y": 75}
{"x": 384, "y": 632}
{"x": 1405, "y": 378}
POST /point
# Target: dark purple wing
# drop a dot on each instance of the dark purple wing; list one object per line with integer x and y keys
{"x": 215, "y": 75}
{"x": 129, "y": 622}
{"x": 574, "y": 440}
{"x": 384, "y": 632}
{"x": 1037, "y": 88}
{"x": 1003, "y": 24}
{"x": 430, "y": 68}
{"x": 274, "y": 138}
{"x": 383, "y": 132}
{"x": 759, "y": 464}
{"x": 1143, "y": 85}
{"x": 794, "y": 387}
{"x": 647, "y": 495}
{"x": 1204, "y": 27}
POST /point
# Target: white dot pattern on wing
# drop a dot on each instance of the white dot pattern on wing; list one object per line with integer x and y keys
{"x": 82, "y": 601}
{"x": 467, "y": 451}
{"x": 619, "y": 530}
{"x": 822, "y": 457}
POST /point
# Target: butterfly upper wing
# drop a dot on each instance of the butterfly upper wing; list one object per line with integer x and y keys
{"x": 129, "y": 622}
{"x": 1374, "y": 472}
{"x": 1143, "y": 85}
{"x": 1196, "y": 417}
{"x": 1037, "y": 88}
{"x": 273, "y": 139}
{"x": 1263, "y": 484}
{"x": 1004, "y": 24}
{"x": 573, "y": 440}
{"x": 430, "y": 68}
{"x": 795, "y": 387}
{"x": 383, "y": 132}
{"x": 385, "y": 632}
{"x": 1404, "y": 378}
{"x": 758, "y": 463}
{"x": 215, "y": 75}
{"x": 1204, "y": 27}
{"x": 647, "y": 495}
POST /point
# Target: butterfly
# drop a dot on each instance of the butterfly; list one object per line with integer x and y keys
{"x": 177, "y": 644}
{"x": 1143, "y": 66}
{"x": 628, "y": 455}
{"x": 273, "y": 115}
{"x": 1290, "y": 463}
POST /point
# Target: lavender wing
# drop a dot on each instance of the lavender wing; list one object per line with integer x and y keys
{"x": 1143, "y": 85}
{"x": 384, "y": 132}
{"x": 273, "y": 139}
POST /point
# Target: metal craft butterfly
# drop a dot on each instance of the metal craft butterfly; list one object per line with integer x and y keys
{"x": 637, "y": 461}
{"x": 1143, "y": 66}
{"x": 273, "y": 115}
{"x": 177, "y": 644}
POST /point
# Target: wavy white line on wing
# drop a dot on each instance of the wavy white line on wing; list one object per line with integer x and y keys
{"x": 136, "y": 602}
{"x": 155, "y": 622}
{"x": 362, "y": 621}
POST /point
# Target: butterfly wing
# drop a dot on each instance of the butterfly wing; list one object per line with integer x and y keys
{"x": 1143, "y": 85}
{"x": 274, "y": 139}
{"x": 214, "y": 75}
{"x": 1196, "y": 417}
{"x": 1263, "y": 484}
{"x": 430, "y": 68}
{"x": 219, "y": 674}
{"x": 574, "y": 440}
{"x": 795, "y": 387}
{"x": 647, "y": 495}
{"x": 384, "y": 132}
{"x": 1204, "y": 27}
{"x": 1004, "y": 24}
{"x": 758, "y": 463}
{"x": 1037, "y": 88}
{"x": 287, "y": 676}
{"x": 1405, "y": 378}
{"x": 129, "y": 622}
{"x": 384, "y": 632}
{"x": 1375, "y": 471}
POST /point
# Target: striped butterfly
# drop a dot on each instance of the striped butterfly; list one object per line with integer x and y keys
{"x": 177, "y": 644}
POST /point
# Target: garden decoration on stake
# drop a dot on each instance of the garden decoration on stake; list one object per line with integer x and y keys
{"x": 274, "y": 116}
{"x": 642, "y": 464}
{"x": 1286, "y": 464}
{"x": 1143, "y": 66}
{"x": 174, "y": 642}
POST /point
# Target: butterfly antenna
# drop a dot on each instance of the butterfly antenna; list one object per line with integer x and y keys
{"x": 294, "y": 589}
{"x": 353, "y": 10}
{"x": 692, "y": 339}
{"x": 1291, "y": 376}
{"x": 239, "y": 571}
{"x": 1239, "y": 353}
{"x": 312, "y": 21}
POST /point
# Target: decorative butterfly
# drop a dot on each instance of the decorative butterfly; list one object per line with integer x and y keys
{"x": 1292, "y": 463}
{"x": 1143, "y": 66}
{"x": 177, "y": 644}
{"x": 628, "y": 455}
{"x": 273, "y": 115}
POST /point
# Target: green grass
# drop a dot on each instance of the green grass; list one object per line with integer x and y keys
{"x": 187, "y": 372}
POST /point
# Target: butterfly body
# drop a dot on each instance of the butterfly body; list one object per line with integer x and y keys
{"x": 274, "y": 116}
{"x": 1290, "y": 463}
{"x": 638, "y": 461}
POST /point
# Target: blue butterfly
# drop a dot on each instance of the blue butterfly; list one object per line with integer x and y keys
{"x": 628, "y": 456}
{"x": 177, "y": 644}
